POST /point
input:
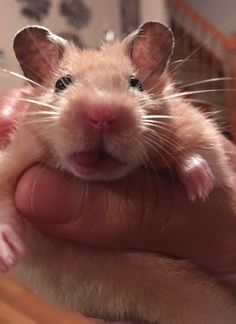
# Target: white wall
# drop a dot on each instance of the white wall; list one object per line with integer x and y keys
{"x": 220, "y": 13}
{"x": 105, "y": 13}
{"x": 154, "y": 10}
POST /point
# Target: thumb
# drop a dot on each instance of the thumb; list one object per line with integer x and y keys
{"x": 106, "y": 213}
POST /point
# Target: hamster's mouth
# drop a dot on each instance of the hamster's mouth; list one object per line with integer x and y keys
{"x": 94, "y": 162}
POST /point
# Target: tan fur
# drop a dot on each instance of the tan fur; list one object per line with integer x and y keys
{"x": 194, "y": 133}
{"x": 113, "y": 284}
{"x": 118, "y": 285}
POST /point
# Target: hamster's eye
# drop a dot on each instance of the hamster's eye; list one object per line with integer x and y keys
{"x": 63, "y": 83}
{"x": 135, "y": 83}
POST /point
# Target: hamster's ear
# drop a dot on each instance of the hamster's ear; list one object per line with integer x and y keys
{"x": 150, "y": 48}
{"x": 38, "y": 52}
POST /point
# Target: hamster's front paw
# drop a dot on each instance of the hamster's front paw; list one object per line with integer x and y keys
{"x": 196, "y": 175}
{"x": 12, "y": 247}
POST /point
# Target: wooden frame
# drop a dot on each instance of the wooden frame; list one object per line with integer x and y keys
{"x": 215, "y": 53}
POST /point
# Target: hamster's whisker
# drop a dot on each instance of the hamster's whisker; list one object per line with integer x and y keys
{"x": 141, "y": 153}
{"x": 154, "y": 143}
{"x": 38, "y": 121}
{"x": 39, "y": 118}
{"x": 193, "y": 52}
{"x": 206, "y": 81}
{"x": 40, "y": 103}
{"x": 200, "y": 101}
{"x": 147, "y": 104}
{"x": 145, "y": 153}
{"x": 42, "y": 113}
{"x": 154, "y": 146}
{"x": 211, "y": 113}
{"x": 155, "y": 122}
{"x": 186, "y": 93}
{"x": 153, "y": 88}
{"x": 171, "y": 143}
{"x": 149, "y": 163}
{"x": 183, "y": 60}
{"x": 148, "y": 136}
{"x": 152, "y": 127}
{"x": 14, "y": 74}
{"x": 159, "y": 117}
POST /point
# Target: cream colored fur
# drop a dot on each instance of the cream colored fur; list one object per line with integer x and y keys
{"x": 113, "y": 284}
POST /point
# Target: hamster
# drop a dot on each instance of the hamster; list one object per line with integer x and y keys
{"x": 100, "y": 115}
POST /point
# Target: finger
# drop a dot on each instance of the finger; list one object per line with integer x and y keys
{"x": 94, "y": 213}
{"x": 11, "y": 110}
{"x": 48, "y": 197}
{"x": 141, "y": 212}
{"x": 230, "y": 150}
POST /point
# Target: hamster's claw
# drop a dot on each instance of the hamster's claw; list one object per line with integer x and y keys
{"x": 197, "y": 177}
{"x": 11, "y": 247}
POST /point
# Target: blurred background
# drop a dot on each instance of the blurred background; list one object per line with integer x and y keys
{"x": 86, "y": 21}
{"x": 203, "y": 67}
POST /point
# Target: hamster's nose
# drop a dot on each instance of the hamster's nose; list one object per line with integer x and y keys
{"x": 104, "y": 118}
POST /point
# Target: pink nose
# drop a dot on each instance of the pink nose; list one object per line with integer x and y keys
{"x": 103, "y": 117}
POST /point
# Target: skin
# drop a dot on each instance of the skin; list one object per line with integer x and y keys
{"x": 144, "y": 211}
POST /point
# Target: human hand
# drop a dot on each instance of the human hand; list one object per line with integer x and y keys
{"x": 11, "y": 110}
{"x": 140, "y": 212}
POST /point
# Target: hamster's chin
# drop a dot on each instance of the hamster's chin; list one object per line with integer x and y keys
{"x": 96, "y": 165}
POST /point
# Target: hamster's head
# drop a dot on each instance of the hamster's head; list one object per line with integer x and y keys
{"x": 93, "y": 108}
